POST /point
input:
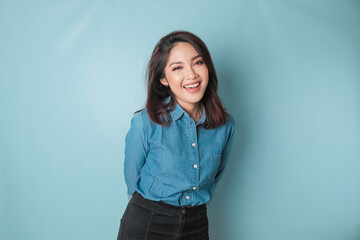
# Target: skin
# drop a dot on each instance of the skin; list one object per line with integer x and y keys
{"x": 184, "y": 67}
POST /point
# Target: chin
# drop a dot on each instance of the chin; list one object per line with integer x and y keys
{"x": 196, "y": 100}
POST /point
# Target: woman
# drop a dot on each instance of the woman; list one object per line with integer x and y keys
{"x": 177, "y": 147}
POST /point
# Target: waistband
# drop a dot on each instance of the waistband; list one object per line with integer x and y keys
{"x": 167, "y": 208}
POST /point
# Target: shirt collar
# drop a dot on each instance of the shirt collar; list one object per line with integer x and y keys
{"x": 178, "y": 112}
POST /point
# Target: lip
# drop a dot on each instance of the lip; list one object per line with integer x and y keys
{"x": 192, "y": 83}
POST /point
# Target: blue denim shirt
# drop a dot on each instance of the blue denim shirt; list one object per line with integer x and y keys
{"x": 180, "y": 164}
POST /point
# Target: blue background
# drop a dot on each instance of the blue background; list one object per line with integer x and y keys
{"x": 73, "y": 72}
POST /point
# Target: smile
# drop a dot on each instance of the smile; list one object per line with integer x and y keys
{"x": 192, "y": 88}
{"x": 192, "y": 85}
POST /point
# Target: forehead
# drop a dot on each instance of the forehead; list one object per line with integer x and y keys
{"x": 182, "y": 51}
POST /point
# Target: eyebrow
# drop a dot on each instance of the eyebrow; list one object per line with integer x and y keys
{"x": 182, "y": 62}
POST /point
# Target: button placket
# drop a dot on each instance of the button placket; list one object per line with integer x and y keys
{"x": 195, "y": 152}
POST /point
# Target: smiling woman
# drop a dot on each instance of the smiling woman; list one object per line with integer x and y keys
{"x": 177, "y": 148}
{"x": 187, "y": 77}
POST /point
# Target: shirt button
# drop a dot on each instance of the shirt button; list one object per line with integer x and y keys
{"x": 183, "y": 211}
{"x": 194, "y": 188}
{"x": 187, "y": 197}
{"x": 195, "y": 165}
{"x": 193, "y": 144}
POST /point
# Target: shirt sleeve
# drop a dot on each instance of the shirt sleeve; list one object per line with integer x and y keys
{"x": 135, "y": 152}
{"x": 227, "y": 149}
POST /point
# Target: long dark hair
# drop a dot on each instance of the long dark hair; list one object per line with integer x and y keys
{"x": 158, "y": 110}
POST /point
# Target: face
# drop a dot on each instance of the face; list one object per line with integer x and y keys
{"x": 186, "y": 74}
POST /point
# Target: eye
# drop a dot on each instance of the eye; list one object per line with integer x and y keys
{"x": 199, "y": 62}
{"x": 177, "y": 68}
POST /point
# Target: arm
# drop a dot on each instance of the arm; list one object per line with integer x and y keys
{"x": 227, "y": 149}
{"x": 135, "y": 152}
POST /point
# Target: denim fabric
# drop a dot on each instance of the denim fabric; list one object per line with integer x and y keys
{"x": 180, "y": 164}
{"x": 147, "y": 219}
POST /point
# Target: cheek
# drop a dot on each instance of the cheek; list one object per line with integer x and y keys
{"x": 174, "y": 79}
{"x": 206, "y": 85}
{"x": 206, "y": 80}
{"x": 205, "y": 72}
{"x": 176, "y": 84}
{"x": 205, "y": 75}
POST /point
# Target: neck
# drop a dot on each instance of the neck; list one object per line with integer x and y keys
{"x": 195, "y": 111}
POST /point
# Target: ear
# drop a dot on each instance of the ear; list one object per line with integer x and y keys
{"x": 164, "y": 82}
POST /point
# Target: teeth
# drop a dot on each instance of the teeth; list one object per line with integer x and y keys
{"x": 192, "y": 86}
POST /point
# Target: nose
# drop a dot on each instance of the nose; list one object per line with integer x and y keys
{"x": 191, "y": 74}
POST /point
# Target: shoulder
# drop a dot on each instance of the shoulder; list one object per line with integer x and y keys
{"x": 230, "y": 122}
{"x": 142, "y": 119}
{"x": 229, "y": 126}
{"x": 138, "y": 119}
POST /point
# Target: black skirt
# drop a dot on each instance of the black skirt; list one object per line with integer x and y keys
{"x": 147, "y": 219}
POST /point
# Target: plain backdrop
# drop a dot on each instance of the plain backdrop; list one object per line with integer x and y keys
{"x": 72, "y": 73}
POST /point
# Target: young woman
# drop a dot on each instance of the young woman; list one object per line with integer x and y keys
{"x": 177, "y": 147}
